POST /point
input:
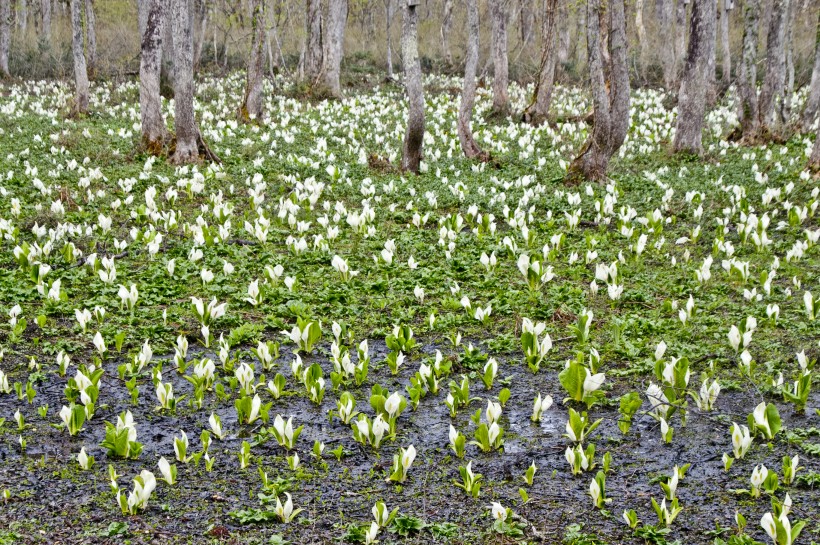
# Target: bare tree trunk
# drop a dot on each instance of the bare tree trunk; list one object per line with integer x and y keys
{"x": 80, "y": 72}
{"x": 526, "y": 22}
{"x": 251, "y": 108}
{"x": 610, "y": 109}
{"x": 563, "y": 33}
{"x": 337, "y": 21}
{"x": 693, "y": 90}
{"x": 187, "y": 133}
{"x": 812, "y": 106}
{"x": 388, "y": 12}
{"x": 166, "y": 72}
{"x": 680, "y": 36}
{"x": 581, "y": 25}
{"x": 143, "y": 7}
{"x": 785, "y": 105}
{"x": 749, "y": 112}
{"x": 668, "y": 59}
{"x": 465, "y": 112}
{"x": 774, "y": 84}
{"x": 446, "y": 27}
{"x": 201, "y": 9}
{"x": 726, "y": 77}
{"x": 414, "y": 137}
{"x": 91, "y": 37}
{"x": 154, "y": 131}
{"x": 814, "y": 160}
{"x": 641, "y": 31}
{"x": 538, "y": 110}
{"x": 5, "y": 36}
{"x": 314, "y": 48}
{"x": 45, "y": 12}
{"x": 501, "y": 98}
{"x": 22, "y": 19}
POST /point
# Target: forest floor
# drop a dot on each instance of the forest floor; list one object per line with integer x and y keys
{"x": 673, "y": 251}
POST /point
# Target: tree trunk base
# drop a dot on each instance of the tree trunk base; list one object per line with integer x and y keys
{"x": 194, "y": 155}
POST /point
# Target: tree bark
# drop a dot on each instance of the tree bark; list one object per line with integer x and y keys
{"x": 91, "y": 37}
{"x": 187, "y": 133}
{"x": 5, "y": 36}
{"x": 641, "y": 30}
{"x": 251, "y": 108}
{"x": 749, "y": 112}
{"x": 726, "y": 76}
{"x": 201, "y": 32}
{"x": 388, "y": 12}
{"x": 80, "y": 72}
{"x": 45, "y": 12}
{"x": 337, "y": 21}
{"x": 446, "y": 27}
{"x": 564, "y": 36}
{"x": 785, "y": 105}
{"x": 414, "y": 137}
{"x": 526, "y": 22}
{"x": 680, "y": 37}
{"x": 809, "y": 114}
{"x": 668, "y": 59}
{"x": 314, "y": 48}
{"x": 501, "y": 98}
{"x": 610, "y": 109}
{"x": 693, "y": 90}
{"x": 772, "y": 93}
{"x": 814, "y": 160}
{"x": 465, "y": 112}
{"x": 166, "y": 72}
{"x": 154, "y": 131}
{"x": 538, "y": 109}
{"x": 22, "y": 19}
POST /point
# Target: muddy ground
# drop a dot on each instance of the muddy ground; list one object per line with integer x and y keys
{"x": 53, "y": 501}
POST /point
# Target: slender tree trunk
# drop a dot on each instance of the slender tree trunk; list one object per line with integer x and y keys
{"x": 639, "y": 26}
{"x": 91, "y": 37}
{"x": 465, "y": 112}
{"x": 414, "y": 137}
{"x": 45, "y": 12}
{"x": 693, "y": 90}
{"x": 501, "y": 98}
{"x": 538, "y": 110}
{"x": 814, "y": 160}
{"x": 785, "y": 105}
{"x": 748, "y": 111}
{"x": 774, "y": 84}
{"x": 809, "y": 115}
{"x": 668, "y": 53}
{"x": 581, "y": 26}
{"x": 726, "y": 77}
{"x": 314, "y": 47}
{"x": 251, "y": 108}
{"x": 187, "y": 133}
{"x": 610, "y": 99}
{"x": 446, "y": 27}
{"x": 680, "y": 36}
{"x": 154, "y": 131}
{"x": 80, "y": 72}
{"x": 22, "y": 20}
{"x": 5, "y": 36}
{"x": 563, "y": 33}
{"x": 526, "y": 21}
{"x": 337, "y": 21}
{"x": 143, "y": 8}
{"x": 166, "y": 73}
{"x": 201, "y": 32}
{"x": 388, "y": 12}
